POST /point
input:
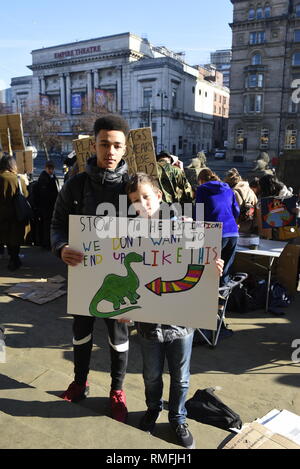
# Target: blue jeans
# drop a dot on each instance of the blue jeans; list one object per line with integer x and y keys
{"x": 228, "y": 254}
{"x": 178, "y": 353}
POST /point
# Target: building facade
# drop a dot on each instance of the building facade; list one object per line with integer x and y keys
{"x": 265, "y": 78}
{"x": 124, "y": 73}
{"x": 221, "y": 59}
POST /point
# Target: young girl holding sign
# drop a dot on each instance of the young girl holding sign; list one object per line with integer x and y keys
{"x": 160, "y": 341}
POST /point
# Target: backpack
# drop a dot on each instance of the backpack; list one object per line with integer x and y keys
{"x": 206, "y": 407}
{"x": 247, "y": 210}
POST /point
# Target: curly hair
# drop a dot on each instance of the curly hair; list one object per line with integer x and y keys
{"x": 111, "y": 122}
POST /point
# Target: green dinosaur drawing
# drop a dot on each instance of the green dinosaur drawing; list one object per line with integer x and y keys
{"x": 115, "y": 288}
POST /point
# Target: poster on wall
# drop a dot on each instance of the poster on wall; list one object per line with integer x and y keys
{"x": 105, "y": 100}
{"x": 166, "y": 275}
{"x": 44, "y": 100}
{"x": 76, "y": 103}
{"x": 278, "y": 212}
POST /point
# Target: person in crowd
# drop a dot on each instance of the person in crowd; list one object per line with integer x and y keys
{"x": 160, "y": 341}
{"x": 103, "y": 181}
{"x": 254, "y": 184}
{"x": 220, "y": 205}
{"x": 270, "y": 186}
{"x": 45, "y": 192}
{"x": 246, "y": 199}
{"x": 172, "y": 180}
{"x": 12, "y": 232}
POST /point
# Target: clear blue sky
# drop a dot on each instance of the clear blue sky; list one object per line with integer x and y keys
{"x": 194, "y": 26}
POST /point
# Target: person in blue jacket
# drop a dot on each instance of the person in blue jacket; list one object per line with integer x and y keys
{"x": 220, "y": 205}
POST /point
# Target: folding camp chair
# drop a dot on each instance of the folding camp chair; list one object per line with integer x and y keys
{"x": 224, "y": 293}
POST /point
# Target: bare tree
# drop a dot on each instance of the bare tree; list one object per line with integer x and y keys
{"x": 43, "y": 124}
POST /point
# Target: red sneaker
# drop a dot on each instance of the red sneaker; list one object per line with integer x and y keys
{"x": 75, "y": 392}
{"x": 118, "y": 405}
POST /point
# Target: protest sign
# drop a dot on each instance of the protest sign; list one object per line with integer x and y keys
{"x": 140, "y": 154}
{"x": 5, "y": 134}
{"x": 24, "y": 161}
{"x": 16, "y": 131}
{"x": 278, "y": 212}
{"x": 158, "y": 278}
{"x": 84, "y": 148}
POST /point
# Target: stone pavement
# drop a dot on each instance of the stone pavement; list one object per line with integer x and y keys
{"x": 254, "y": 368}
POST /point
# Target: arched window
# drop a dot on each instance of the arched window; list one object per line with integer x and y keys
{"x": 251, "y": 14}
{"x": 259, "y": 13}
{"x": 267, "y": 11}
{"x": 256, "y": 59}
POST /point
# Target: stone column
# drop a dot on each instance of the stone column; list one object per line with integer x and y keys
{"x": 68, "y": 93}
{"x": 96, "y": 78}
{"x": 89, "y": 90}
{"x": 43, "y": 85}
{"x": 62, "y": 94}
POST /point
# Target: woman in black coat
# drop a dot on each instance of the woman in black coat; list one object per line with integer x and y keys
{"x": 12, "y": 231}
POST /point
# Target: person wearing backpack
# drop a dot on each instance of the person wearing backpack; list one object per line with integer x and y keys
{"x": 172, "y": 180}
{"x": 247, "y": 200}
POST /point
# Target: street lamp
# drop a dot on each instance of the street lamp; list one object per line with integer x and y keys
{"x": 162, "y": 95}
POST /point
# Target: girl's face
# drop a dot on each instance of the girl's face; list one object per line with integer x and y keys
{"x": 146, "y": 200}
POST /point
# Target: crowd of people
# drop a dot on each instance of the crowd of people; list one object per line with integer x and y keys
{"x": 232, "y": 201}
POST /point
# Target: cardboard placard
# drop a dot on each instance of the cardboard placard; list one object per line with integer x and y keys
{"x": 257, "y": 436}
{"x": 84, "y": 148}
{"x": 16, "y": 131}
{"x": 140, "y": 148}
{"x": 24, "y": 162}
{"x": 156, "y": 278}
{"x": 5, "y": 134}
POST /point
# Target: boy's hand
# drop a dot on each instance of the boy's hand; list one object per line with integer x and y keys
{"x": 70, "y": 256}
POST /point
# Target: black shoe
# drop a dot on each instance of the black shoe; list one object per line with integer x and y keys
{"x": 148, "y": 420}
{"x": 184, "y": 436}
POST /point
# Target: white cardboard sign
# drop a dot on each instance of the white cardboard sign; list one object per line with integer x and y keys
{"x": 156, "y": 279}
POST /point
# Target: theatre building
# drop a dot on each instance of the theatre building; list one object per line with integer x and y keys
{"x": 124, "y": 73}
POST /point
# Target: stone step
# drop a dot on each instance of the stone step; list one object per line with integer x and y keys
{"x": 37, "y": 418}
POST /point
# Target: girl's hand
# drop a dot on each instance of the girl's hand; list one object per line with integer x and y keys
{"x": 220, "y": 266}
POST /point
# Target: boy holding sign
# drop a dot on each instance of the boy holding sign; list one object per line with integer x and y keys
{"x": 102, "y": 182}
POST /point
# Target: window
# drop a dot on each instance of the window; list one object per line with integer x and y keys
{"x": 297, "y": 35}
{"x": 297, "y": 10}
{"x": 174, "y": 98}
{"x": 239, "y": 138}
{"x": 293, "y": 106}
{"x": 253, "y": 103}
{"x": 264, "y": 138}
{"x": 257, "y": 37}
{"x": 180, "y": 143}
{"x": 259, "y": 13}
{"x": 154, "y": 126}
{"x": 267, "y": 11}
{"x": 251, "y": 14}
{"x": 255, "y": 80}
{"x": 147, "y": 97}
{"x": 290, "y": 139}
{"x": 256, "y": 59}
{"x": 296, "y": 58}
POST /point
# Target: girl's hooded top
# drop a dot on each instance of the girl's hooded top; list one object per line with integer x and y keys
{"x": 219, "y": 205}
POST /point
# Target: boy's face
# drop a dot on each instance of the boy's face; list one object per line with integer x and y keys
{"x": 110, "y": 147}
{"x": 146, "y": 200}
